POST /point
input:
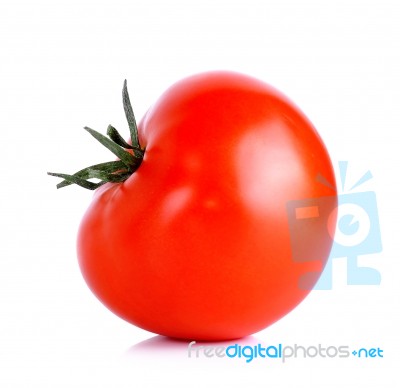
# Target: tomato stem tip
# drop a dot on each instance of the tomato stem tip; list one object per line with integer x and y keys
{"x": 130, "y": 155}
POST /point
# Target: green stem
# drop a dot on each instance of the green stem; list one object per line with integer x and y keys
{"x": 114, "y": 135}
{"x": 130, "y": 117}
{"x": 130, "y": 156}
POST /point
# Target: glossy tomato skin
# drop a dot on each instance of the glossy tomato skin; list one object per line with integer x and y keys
{"x": 196, "y": 243}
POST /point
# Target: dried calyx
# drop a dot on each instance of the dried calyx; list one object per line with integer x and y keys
{"x": 130, "y": 155}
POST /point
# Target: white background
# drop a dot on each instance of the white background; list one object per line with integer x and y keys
{"x": 62, "y": 67}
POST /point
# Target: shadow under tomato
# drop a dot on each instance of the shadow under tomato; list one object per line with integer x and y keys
{"x": 165, "y": 346}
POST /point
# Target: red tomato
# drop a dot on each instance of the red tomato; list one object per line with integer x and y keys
{"x": 196, "y": 243}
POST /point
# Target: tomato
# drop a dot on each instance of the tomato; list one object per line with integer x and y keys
{"x": 196, "y": 243}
